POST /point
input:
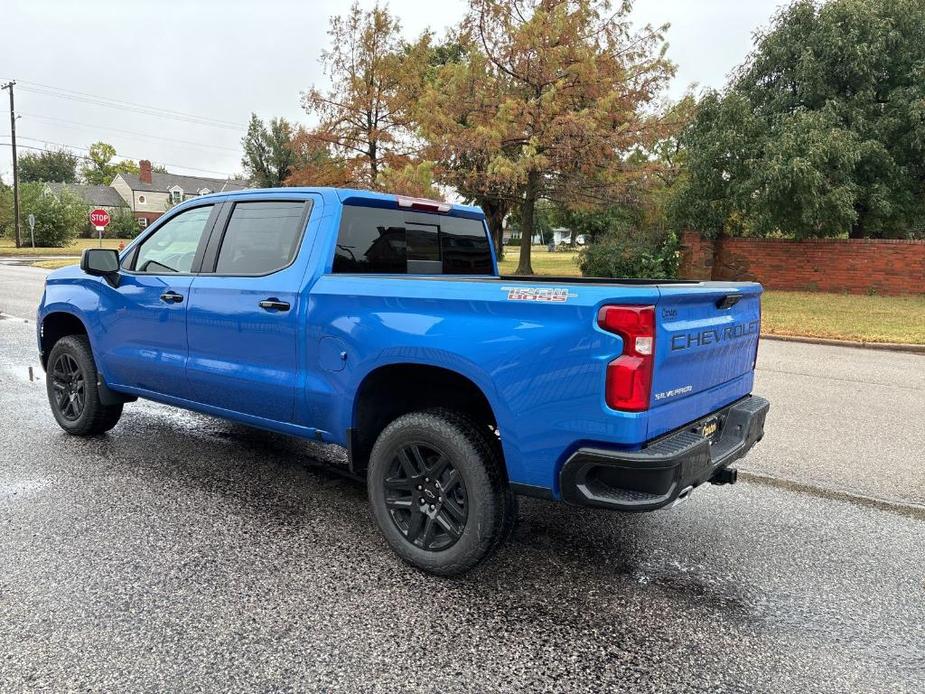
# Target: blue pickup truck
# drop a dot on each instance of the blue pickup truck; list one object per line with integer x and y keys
{"x": 381, "y": 323}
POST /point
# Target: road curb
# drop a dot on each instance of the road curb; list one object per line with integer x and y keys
{"x": 886, "y": 346}
{"x": 903, "y": 508}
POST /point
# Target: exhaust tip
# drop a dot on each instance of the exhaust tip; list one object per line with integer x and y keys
{"x": 726, "y": 475}
{"x": 683, "y": 496}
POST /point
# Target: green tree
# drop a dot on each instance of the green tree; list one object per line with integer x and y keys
{"x": 6, "y": 211}
{"x": 545, "y": 217}
{"x": 99, "y": 167}
{"x": 633, "y": 253}
{"x": 269, "y": 156}
{"x": 59, "y": 217}
{"x": 51, "y": 165}
{"x": 820, "y": 132}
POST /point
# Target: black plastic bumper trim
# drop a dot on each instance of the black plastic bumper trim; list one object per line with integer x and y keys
{"x": 654, "y": 476}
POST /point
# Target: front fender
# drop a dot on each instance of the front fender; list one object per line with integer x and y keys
{"x": 78, "y": 297}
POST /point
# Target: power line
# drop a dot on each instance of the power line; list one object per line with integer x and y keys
{"x": 130, "y": 132}
{"x": 129, "y": 103}
{"x": 144, "y": 110}
{"x": 120, "y": 156}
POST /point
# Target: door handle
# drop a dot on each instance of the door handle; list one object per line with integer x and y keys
{"x": 171, "y": 297}
{"x": 274, "y": 304}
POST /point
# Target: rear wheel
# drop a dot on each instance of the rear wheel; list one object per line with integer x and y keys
{"x": 72, "y": 389}
{"x": 437, "y": 491}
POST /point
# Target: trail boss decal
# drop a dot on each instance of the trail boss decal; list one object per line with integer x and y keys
{"x": 714, "y": 335}
{"x": 554, "y": 295}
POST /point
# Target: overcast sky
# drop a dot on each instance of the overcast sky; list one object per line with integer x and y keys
{"x": 221, "y": 59}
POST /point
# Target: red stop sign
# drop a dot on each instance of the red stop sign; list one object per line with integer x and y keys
{"x": 99, "y": 218}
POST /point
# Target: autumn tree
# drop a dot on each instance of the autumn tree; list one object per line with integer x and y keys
{"x": 99, "y": 167}
{"x": 551, "y": 100}
{"x": 56, "y": 165}
{"x": 269, "y": 156}
{"x": 450, "y": 115}
{"x": 314, "y": 165}
{"x": 365, "y": 116}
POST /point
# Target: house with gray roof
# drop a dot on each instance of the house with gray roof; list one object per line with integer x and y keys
{"x": 94, "y": 196}
{"x": 149, "y": 194}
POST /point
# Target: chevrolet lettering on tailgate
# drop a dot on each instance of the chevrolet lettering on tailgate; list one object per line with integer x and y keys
{"x": 714, "y": 335}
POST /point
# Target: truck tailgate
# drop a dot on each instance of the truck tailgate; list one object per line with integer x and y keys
{"x": 706, "y": 336}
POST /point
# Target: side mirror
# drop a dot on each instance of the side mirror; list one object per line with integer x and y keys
{"x": 102, "y": 262}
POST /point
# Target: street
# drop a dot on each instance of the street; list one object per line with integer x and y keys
{"x": 20, "y": 288}
{"x": 185, "y": 553}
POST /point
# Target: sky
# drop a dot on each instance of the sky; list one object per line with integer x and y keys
{"x": 210, "y": 63}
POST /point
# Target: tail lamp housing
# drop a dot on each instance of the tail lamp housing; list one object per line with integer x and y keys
{"x": 629, "y": 377}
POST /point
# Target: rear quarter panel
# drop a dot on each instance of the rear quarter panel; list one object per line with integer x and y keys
{"x": 540, "y": 364}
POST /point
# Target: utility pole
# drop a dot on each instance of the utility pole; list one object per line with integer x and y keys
{"x": 9, "y": 85}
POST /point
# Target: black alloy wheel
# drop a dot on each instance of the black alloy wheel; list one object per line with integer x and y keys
{"x": 69, "y": 387}
{"x": 426, "y": 497}
{"x": 73, "y": 385}
{"x": 438, "y": 492}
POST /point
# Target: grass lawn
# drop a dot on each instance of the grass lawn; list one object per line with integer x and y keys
{"x": 561, "y": 263}
{"x": 55, "y": 263}
{"x": 833, "y": 316}
{"x": 8, "y": 247}
{"x": 845, "y": 316}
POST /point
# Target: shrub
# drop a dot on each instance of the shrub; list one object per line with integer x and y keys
{"x": 58, "y": 218}
{"x": 122, "y": 225}
{"x": 631, "y": 254}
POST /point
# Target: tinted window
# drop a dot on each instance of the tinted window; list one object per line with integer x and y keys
{"x": 261, "y": 237}
{"x": 372, "y": 239}
{"x": 173, "y": 246}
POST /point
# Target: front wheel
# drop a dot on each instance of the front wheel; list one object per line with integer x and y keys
{"x": 437, "y": 491}
{"x": 72, "y": 390}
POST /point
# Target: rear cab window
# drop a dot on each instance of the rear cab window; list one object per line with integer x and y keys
{"x": 396, "y": 241}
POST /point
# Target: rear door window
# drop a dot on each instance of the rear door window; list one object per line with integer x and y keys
{"x": 261, "y": 237}
{"x": 377, "y": 240}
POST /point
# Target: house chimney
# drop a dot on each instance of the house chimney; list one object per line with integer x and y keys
{"x": 144, "y": 171}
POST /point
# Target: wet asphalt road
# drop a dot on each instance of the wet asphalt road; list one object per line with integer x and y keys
{"x": 20, "y": 288}
{"x": 184, "y": 553}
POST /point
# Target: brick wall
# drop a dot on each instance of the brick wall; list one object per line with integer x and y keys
{"x": 150, "y": 216}
{"x": 859, "y": 266}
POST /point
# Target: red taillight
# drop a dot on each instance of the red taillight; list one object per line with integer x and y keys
{"x": 629, "y": 376}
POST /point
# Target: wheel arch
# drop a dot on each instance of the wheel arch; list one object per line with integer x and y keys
{"x": 391, "y": 390}
{"x": 55, "y": 325}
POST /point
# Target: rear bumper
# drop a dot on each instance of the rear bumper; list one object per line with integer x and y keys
{"x": 667, "y": 467}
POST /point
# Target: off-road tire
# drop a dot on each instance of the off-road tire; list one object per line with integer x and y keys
{"x": 468, "y": 447}
{"x": 93, "y": 417}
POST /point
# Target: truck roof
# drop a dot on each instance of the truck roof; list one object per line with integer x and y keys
{"x": 345, "y": 196}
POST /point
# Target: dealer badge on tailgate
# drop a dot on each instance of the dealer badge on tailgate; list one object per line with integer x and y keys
{"x": 709, "y": 428}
